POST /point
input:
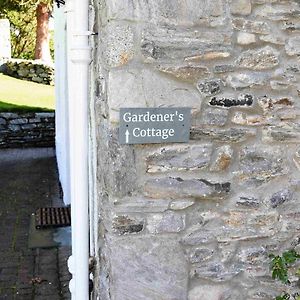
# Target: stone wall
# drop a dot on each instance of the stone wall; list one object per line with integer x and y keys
{"x": 31, "y": 70}
{"x": 27, "y": 129}
{"x": 197, "y": 221}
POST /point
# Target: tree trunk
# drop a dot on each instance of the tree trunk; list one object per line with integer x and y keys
{"x": 42, "y": 48}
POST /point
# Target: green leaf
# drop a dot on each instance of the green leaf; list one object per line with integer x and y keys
{"x": 284, "y": 296}
{"x": 279, "y": 269}
{"x": 290, "y": 256}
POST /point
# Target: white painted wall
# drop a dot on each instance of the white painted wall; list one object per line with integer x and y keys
{"x": 5, "y": 46}
{"x": 61, "y": 95}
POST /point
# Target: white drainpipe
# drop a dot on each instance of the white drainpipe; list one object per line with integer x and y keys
{"x": 79, "y": 59}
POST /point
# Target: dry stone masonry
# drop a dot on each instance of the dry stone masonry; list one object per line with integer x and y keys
{"x": 27, "y": 129}
{"x": 31, "y": 70}
{"x": 198, "y": 220}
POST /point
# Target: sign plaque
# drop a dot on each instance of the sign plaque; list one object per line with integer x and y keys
{"x": 154, "y": 125}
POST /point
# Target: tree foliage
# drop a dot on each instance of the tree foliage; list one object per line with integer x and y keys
{"x": 7, "y": 5}
{"x": 22, "y": 17}
{"x": 280, "y": 266}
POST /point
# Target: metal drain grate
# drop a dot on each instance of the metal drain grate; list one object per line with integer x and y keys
{"x": 52, "y": 217}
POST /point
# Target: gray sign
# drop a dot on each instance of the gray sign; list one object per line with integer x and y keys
{"x": 154, "y": 125}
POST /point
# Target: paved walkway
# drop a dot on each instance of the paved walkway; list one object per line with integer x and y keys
{"x": 28, "y": 180}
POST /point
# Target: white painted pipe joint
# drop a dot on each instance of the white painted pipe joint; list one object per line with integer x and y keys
{"x": 81, "y": 55}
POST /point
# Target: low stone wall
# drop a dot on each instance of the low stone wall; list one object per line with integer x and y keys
{"x": 31, "y": 70}
{"x": 36, "y": 129}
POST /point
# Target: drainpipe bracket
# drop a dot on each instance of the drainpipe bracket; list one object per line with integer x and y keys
{"x": 84, "y": 33}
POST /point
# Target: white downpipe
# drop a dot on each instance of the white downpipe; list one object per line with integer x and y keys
{"x": 80, "y": 53}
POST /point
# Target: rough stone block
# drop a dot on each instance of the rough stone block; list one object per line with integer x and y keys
{"x": 147, "y": 268}
{"x": 280, "y": 197}
{"x": 189, "y": 73}
{"x": 248, "y": 202}
{"x": 261, "y": 59}
{"x": 210, "y": 87}
{"x": 269, "y": 105}
{"x": 208, "y": 56}
{"x": 288, "y": 114}
{"x": 122, "y": 181}
{"x": 29, "y": 127}
{"x": 224, "y": 68}
{"x": 170, "y": 44}
{"x": 179, "y": 158}
{"x": 292, "y": 47}
{"x": 200, "y": 254}
{"x": 233, "y": 135}
{"x": 296, "y": 158}
{"x": 9, "y": 115}
{"x": 245, "y": 38}
{"x": 34, "y": 120}
{"x": 181, "y": 204}
{"x": 240, "y": 7}
{"x": 288, "y": 73}
{"x": 37, "y": 79}
{"x": 135, "y": 88}
{"x": 249, "y": 120}
{"x": 242, "y": 226}
{"x": 278, "y": 85}
{"x": 140, "y": 205}
{"x": 213, "y": 116}
{"x": 197, "y": 235}
{"x": 259, "y": 27}
{"x": 245, "y": 79}
{"x": 119, "y": 41}
{"x": 124, "y": 224}
{"x": 261, "y": 164}
{"x": 261, "y": 292}
{"x": 283, "y": 132}
{"x": 44, "y": 115}
{"x": 163, "y": 12}
{"x": 253, "y": 255}
{"x": 166, "y": 223}
{"x": 263, "y": 220}
{"x": 215, "y": 271}
{"x": 273, "y": 39}
{"x": 18, "y": 121}
{"x": 207, "y": 292}
{"x": 292, "y": 25}
{"x": 222, "y": 158}
{"x": 14, "y": 128}
{"x": 278, "y": 12}
{"x": 176, "y": 188}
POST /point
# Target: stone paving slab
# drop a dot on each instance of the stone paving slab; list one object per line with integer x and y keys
{"x": 28, "y": 181}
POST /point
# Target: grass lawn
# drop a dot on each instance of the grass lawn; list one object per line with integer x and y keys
{"x": 21, "y": 95}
